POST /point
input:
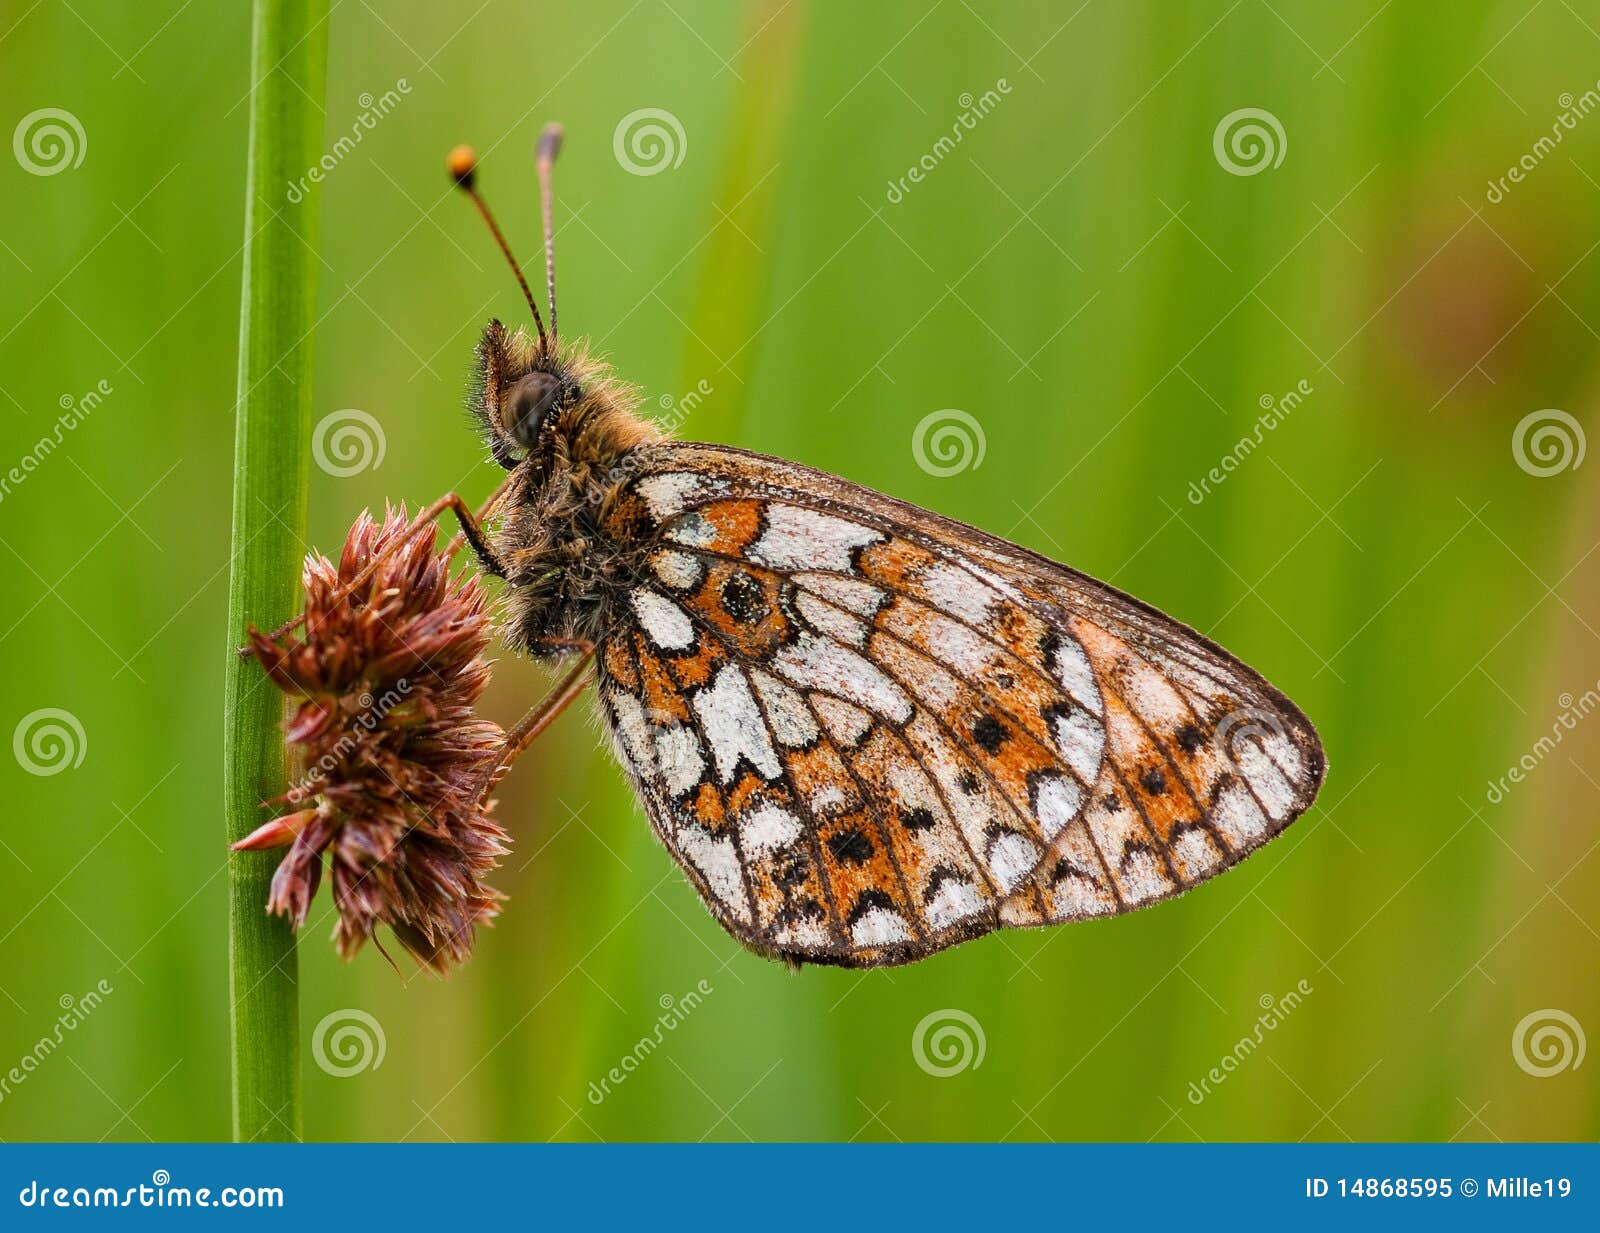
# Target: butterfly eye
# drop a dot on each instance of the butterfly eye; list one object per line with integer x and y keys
{"x": 522, "y": 414}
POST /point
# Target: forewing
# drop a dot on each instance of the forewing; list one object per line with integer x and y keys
{"x": 868, "y": 732}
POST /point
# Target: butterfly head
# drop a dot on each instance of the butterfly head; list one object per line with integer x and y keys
{"x": 521, "y": 393}
{"x": 551, "y": 408}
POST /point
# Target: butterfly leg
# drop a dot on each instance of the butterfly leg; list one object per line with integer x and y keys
{"x": 531, "y": 725}
{"x": 471, "y": 532}
{"x": 581, "y": 645}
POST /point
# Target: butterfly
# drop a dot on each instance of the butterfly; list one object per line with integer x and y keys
{"x": 866, "y": 732}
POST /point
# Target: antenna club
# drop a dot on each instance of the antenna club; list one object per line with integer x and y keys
{"x": 462, "y": 164}
{"x": 550, "y": 143}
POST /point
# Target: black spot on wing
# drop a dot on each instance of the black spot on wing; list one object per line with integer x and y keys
{"x": 850, "y": 846}
{"x": 799, "y": 912}
{"x": 792, "y": 872}
{"x": 867, "y": 901}
{"x": 989, "y": 734}
{"x": 743, "y": 599}
{"x": 1049, "y": 646}
{"x": 1065, "y": 868}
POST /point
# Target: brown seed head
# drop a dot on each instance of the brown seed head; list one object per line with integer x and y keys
{"x": 386, "y": 678}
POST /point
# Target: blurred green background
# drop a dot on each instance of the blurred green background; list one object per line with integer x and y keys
{"x": 1112, "y": 305}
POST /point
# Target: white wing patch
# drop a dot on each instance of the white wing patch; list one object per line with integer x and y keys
{"x": 1273, "y": 790}
{"x": 796, "y": 538}
{"x": 880, "y": 927}
{"x": 667, "y": 624}
{"x": 846, "y": 724}
{"x": 680, "y": 761}
{"x": 851, "y": 594}
{"x": 769, "y": 829}
{"x": 792, "y": 722}
{"x": 1011, "y": 859}
{"x": 1238, "y": 814}
{"x": 1057, "y": 801}
{"x": 1081, "y": 740}
{"x": 693, "y": 531}
{"x": 1142, "y": 877}
{"x": 631, "y": 731}
{"x": 827, "y": 619}
{"x": 812, "y": 662}
{"x": 1197, "y": 853}
{"x": 733, "y": 725}
{"x": 669, "y": 495}
{"x": 953, "y": 899}
{"x": 715, "y": 858}
{"x": 678, "y": 570}
{"x": 960, "y": 594}
{"x": 1074, "y": 673}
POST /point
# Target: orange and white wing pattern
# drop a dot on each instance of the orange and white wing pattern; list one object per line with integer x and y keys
{"x": 867, "y": 732}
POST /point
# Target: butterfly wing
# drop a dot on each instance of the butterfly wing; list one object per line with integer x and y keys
{"x": 868, "y": 732}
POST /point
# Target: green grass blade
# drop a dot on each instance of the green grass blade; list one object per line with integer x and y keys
{"x": 288, "y": 68}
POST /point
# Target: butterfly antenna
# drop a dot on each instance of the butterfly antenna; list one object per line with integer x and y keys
{"x": 549, "y": 147}
{"x": 463, "y": 167}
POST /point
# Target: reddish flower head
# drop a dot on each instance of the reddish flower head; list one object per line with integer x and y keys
{"x": 394, "y": 758}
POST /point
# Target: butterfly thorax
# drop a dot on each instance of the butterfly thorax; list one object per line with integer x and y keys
{"x": 565, "y": 538}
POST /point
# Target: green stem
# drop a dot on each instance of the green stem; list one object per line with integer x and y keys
{"x": 271, "y": 446}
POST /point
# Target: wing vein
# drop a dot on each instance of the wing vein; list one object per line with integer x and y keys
{"x": 1203, "y": 811}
